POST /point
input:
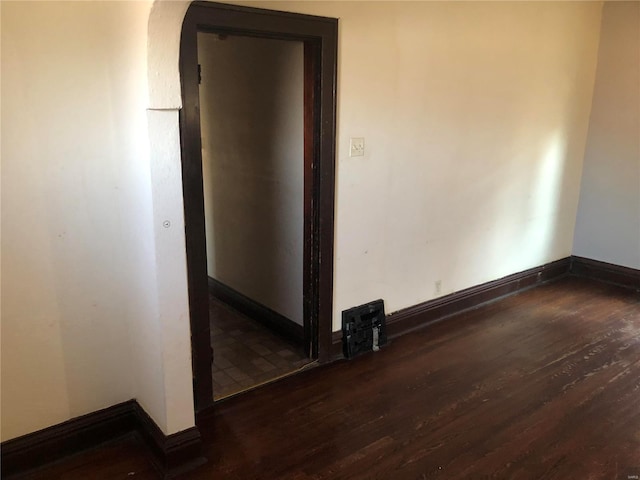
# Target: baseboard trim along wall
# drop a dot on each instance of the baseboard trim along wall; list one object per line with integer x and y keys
{"x": 417, "y": 316}
{"x": 174, "y": 454}
{"x": 606, "y": 272}
{"x": 171, "y": 455}
{"x": 276, "y": 322}
{"x": 420, "y": 315}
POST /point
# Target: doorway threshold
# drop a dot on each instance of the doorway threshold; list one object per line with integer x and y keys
{"x": 233, "y": 393}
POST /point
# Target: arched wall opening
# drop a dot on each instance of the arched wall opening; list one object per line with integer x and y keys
{"x": 180, "y": 316}
{"x": 164, "y": 104}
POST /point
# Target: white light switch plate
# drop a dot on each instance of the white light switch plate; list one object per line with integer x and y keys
{"x": 356, "y": 147}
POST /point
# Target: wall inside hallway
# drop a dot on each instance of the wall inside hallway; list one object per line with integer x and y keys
{"x": 251, "y": 111}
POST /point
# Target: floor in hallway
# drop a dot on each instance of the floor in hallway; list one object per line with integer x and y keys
{"x": 246, "y": 353}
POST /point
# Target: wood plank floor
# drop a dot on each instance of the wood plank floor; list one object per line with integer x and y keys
{"x": 544, "y": 384}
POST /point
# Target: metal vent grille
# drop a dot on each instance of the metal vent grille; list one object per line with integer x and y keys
{"x": 363, "y": 328}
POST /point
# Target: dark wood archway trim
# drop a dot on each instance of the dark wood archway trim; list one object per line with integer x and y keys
{"x": 319, "y": 35}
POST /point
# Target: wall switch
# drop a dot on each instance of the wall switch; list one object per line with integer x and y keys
{"x": 356, "y": 147}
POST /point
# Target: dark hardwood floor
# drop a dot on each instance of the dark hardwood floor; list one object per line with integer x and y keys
{"x": 543, "y": 384}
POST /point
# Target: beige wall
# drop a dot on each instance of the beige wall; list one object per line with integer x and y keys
{"x": 80, "y": 327}
{"x": 475, "y": 117}
{"x": 251, "y": 104}
{"x": 608, "y": 223}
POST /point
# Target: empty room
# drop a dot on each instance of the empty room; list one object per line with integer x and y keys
{"x": 434, "y": 206}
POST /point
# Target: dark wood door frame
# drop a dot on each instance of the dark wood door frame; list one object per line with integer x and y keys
{"x": 319, "y": 35}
